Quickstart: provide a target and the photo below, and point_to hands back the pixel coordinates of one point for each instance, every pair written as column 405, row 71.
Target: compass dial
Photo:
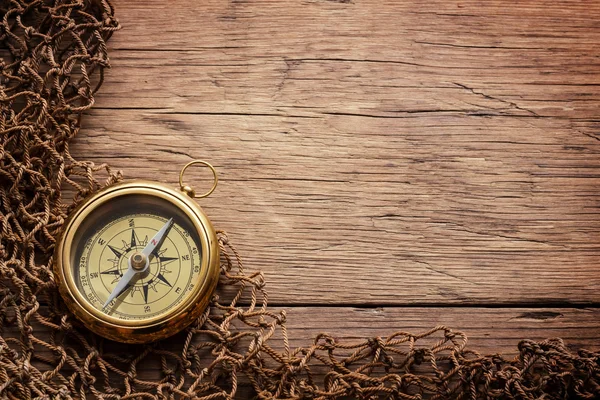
column 173, row 267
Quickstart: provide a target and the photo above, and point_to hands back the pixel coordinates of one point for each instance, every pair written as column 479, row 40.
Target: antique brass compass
column 138, row 261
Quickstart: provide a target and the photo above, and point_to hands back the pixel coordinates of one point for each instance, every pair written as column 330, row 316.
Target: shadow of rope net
column 53, row 58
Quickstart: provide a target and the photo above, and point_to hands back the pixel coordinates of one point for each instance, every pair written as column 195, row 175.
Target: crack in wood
column 175, row 152
column 466, row 46
column 539, row 315
column 510, row 103
column 442, row 272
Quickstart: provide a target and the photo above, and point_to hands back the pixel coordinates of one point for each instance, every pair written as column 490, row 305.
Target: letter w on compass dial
column 157, row 280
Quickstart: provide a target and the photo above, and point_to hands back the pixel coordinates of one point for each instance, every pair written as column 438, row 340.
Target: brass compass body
column 138, row 261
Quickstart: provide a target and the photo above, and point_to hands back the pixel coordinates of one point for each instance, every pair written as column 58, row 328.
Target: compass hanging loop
column 191, row 192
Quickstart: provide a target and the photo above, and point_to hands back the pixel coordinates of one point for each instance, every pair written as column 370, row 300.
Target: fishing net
column 53, row 58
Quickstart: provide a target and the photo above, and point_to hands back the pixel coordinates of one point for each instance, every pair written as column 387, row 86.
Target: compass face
column 113, row 234
column 172, row 271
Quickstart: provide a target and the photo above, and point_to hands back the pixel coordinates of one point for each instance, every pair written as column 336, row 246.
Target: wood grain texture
column 490, row 330
column 376, row 153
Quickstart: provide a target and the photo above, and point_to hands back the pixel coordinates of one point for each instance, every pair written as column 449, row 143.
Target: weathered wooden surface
column 378, row 153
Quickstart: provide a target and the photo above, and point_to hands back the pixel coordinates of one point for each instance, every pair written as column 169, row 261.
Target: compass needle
column 121, row 285
column 156, row 241
column 138, row 262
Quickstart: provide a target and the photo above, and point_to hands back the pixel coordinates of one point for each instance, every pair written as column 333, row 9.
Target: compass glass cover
column 116, row 230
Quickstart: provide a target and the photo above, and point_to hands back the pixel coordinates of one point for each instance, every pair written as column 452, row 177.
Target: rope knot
column 374, row 342
column 419, row 356
column 281, row 318
column 223, row 238
column 65, row 325
column 187, row 364
column 449, row 335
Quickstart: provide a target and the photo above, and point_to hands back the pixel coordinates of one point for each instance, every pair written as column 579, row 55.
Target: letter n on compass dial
column 171, row 271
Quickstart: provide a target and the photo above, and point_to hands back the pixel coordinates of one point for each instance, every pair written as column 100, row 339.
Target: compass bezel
column 153, row 328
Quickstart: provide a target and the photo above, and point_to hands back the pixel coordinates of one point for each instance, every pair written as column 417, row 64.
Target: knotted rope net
column 53, row 58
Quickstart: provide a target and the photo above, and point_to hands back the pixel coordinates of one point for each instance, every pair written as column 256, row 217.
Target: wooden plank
column 490, row 330
column 213, row 82
column 382, row 57
column 450, row 214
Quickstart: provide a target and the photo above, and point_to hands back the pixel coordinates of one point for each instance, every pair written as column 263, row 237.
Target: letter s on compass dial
column 137, row 262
